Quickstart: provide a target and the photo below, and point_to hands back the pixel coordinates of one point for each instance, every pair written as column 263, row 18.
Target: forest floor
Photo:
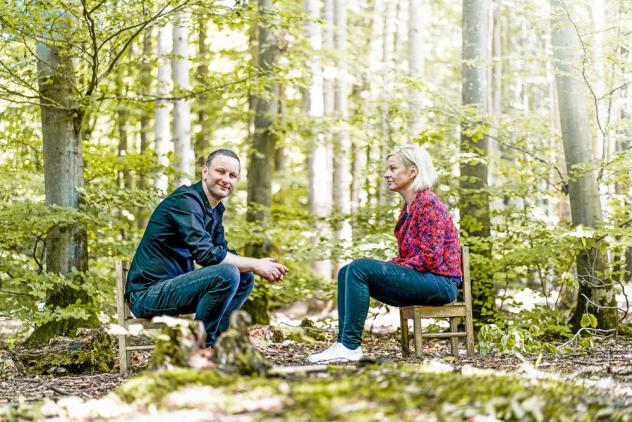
column 605, row 369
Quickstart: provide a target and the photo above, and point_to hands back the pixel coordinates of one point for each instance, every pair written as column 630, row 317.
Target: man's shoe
column 337, row 353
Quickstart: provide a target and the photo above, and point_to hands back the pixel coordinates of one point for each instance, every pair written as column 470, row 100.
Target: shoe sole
column 336, row 360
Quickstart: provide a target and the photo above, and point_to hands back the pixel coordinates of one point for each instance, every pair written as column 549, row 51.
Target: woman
column 427, row 269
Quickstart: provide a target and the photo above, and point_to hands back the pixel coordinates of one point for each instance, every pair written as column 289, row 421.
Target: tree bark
column 184, row 159
column 342, row 144
column 596, row 293
column 66, row 244
column 318, row 165
column 145, row 120
column 387, row 143
column 417, row 21
column 475, row 220
column 162, row 119
column 261, row 158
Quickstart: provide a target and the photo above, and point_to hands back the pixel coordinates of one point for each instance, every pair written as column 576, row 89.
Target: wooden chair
column 125, row 318
column 451, row 311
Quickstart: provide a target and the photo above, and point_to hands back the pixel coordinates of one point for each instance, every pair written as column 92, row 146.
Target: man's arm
column 267, row 268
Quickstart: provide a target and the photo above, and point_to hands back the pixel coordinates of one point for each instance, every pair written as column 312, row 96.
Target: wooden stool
column 125, row 318
column 451, row 311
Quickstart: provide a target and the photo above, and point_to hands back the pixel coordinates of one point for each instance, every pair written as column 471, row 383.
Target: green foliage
column 360, row 394
column 589, row 321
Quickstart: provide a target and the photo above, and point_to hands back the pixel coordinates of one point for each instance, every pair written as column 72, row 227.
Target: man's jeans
column 389, row 283
column 212, row 292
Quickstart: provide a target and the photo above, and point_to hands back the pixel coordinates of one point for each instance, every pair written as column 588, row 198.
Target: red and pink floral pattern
column 427, row 238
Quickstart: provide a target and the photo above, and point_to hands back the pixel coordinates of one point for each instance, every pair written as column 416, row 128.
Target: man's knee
column 228, row 275
column 247, row 280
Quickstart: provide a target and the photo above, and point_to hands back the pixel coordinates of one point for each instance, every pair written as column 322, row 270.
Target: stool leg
column 403, row 323
column 417, row 334
column 454, row 341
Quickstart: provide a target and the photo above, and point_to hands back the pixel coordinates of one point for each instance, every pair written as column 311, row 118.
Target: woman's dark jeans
column 389, row 283
column 212, row 292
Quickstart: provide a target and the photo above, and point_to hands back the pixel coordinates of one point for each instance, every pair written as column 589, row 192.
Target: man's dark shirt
column 182, row 229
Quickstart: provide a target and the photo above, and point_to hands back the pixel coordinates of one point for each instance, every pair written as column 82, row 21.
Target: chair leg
column 454, row 341
column 417, row 334
column 469, row 335
column 124, row 354
column 403, row 323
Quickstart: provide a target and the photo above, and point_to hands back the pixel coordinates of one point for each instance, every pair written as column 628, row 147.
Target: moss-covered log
column 91, row 351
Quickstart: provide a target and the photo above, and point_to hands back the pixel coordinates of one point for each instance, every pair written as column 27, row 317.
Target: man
column 186, row 227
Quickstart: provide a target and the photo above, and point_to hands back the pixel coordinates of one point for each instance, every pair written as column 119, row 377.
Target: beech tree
column 596, row 293
column 474, row 201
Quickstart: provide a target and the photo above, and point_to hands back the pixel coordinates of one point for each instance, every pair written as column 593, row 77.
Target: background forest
column 526, row 107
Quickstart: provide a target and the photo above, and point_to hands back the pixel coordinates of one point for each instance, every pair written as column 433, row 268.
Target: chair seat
column 454, row 309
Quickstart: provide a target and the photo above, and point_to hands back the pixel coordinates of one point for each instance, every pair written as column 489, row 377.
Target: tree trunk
column 417, row 21
column 385, row 111
column 124, row 176
column 184, row 160
column 202, row 143
column 595, row 290
column 145, row 120
column 66, row 244
column 320, row 195
column 162, row 125
column 342, row 144
column 475, row 220
column 261, row 158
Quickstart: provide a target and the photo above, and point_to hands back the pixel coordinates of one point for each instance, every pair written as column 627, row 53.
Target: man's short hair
column 221, row 151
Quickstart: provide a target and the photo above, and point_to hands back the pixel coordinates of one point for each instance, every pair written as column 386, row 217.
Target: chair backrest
column 466, row 280
column 123, row 311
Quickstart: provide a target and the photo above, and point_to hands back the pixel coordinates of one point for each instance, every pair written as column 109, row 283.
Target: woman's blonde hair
column 417, row 156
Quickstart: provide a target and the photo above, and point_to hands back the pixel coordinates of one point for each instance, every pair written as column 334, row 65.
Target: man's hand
column 269, row 269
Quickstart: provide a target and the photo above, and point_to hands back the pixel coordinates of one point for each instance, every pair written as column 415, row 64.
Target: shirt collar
column 200, row 190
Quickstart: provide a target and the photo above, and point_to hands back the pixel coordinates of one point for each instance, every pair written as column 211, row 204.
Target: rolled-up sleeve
column 188, row 214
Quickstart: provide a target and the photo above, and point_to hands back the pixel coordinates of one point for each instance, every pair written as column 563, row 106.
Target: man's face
column 221, row 176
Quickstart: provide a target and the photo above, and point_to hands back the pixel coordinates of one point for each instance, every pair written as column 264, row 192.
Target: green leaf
column 588, row 320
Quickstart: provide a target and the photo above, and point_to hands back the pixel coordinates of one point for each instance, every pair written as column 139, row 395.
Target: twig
column 588, row 329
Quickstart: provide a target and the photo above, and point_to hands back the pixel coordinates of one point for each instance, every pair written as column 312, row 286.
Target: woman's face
column 398, row 177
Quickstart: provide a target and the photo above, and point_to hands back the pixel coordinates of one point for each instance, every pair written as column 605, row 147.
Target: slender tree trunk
column 495, row 87
column 145, row 121
column 182, row 144
column 475, row 220
column 385, row 113
column 124, row 176
column 261, row 157
column 320, row 195
column 342, row 143
column 201, row 145
column 162, row 119
column 66, row 245
column 418, row 12
column 596, row 293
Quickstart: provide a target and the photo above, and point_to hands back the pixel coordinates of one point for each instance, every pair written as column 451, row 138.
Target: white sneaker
column 336, row 353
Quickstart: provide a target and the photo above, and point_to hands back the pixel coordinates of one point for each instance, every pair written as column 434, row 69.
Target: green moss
column 76, row 358
column 398, row 392
column 151, row 387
